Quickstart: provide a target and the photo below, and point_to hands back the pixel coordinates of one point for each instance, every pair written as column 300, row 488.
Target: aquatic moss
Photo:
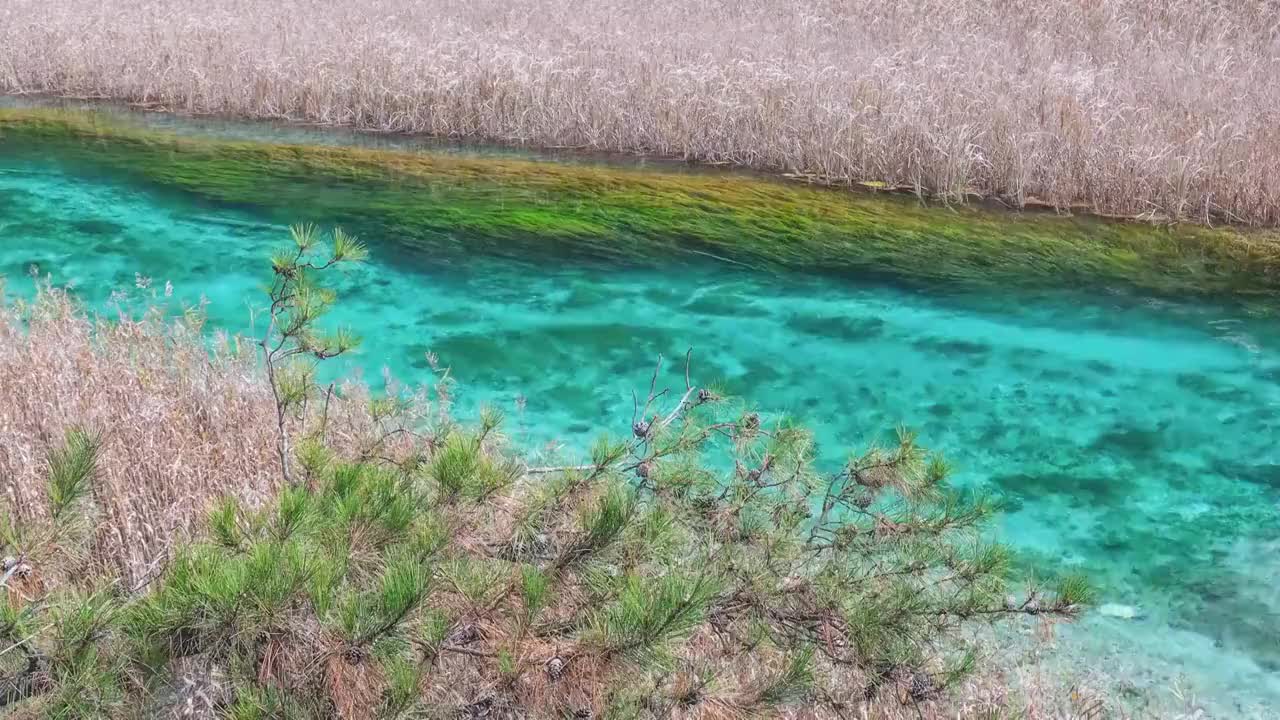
column 492, row 204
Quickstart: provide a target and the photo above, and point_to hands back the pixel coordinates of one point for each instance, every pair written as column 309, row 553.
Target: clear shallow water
column 1134, row 438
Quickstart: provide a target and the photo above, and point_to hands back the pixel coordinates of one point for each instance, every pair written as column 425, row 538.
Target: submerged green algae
column 501, row 204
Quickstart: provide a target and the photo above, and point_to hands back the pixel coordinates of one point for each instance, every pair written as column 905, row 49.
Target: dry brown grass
column 1160, row 107
column 169, row 414
column 180, row 426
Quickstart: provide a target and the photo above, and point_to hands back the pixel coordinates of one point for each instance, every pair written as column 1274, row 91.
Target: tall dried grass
column 1159, row 107
column 183, row 422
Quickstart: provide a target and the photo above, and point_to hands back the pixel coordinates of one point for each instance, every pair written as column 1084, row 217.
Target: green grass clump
column 429, row 200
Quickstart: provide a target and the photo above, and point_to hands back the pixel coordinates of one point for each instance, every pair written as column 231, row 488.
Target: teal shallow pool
column 1134, row 438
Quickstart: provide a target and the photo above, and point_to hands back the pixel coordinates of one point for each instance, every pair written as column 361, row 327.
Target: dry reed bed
column 183, row 422
column 1134, row 107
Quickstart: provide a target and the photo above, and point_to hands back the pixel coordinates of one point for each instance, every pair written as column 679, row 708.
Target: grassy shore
column 505, row 204
column 158, row 562
column 1131, row 107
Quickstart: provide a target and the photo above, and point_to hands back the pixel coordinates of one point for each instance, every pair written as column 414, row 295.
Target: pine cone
column 922, row 686
column 641, row 429
column 464, row 635
column 353, row 655
column 477, row 710
column 557, row 667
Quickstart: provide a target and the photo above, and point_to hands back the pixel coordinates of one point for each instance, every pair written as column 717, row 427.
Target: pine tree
column 699, row 565
column 292, row 343
column 53, row 638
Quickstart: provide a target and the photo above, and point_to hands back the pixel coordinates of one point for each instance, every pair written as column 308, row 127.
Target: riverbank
column 1125, row 107
column 642, row 215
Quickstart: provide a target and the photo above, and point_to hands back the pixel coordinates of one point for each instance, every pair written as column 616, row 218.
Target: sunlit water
column 1134, row 438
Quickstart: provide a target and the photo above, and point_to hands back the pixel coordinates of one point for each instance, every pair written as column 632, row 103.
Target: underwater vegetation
column 500, row 204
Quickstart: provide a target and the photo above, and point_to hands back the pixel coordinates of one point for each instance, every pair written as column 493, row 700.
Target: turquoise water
column 1133, row 437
